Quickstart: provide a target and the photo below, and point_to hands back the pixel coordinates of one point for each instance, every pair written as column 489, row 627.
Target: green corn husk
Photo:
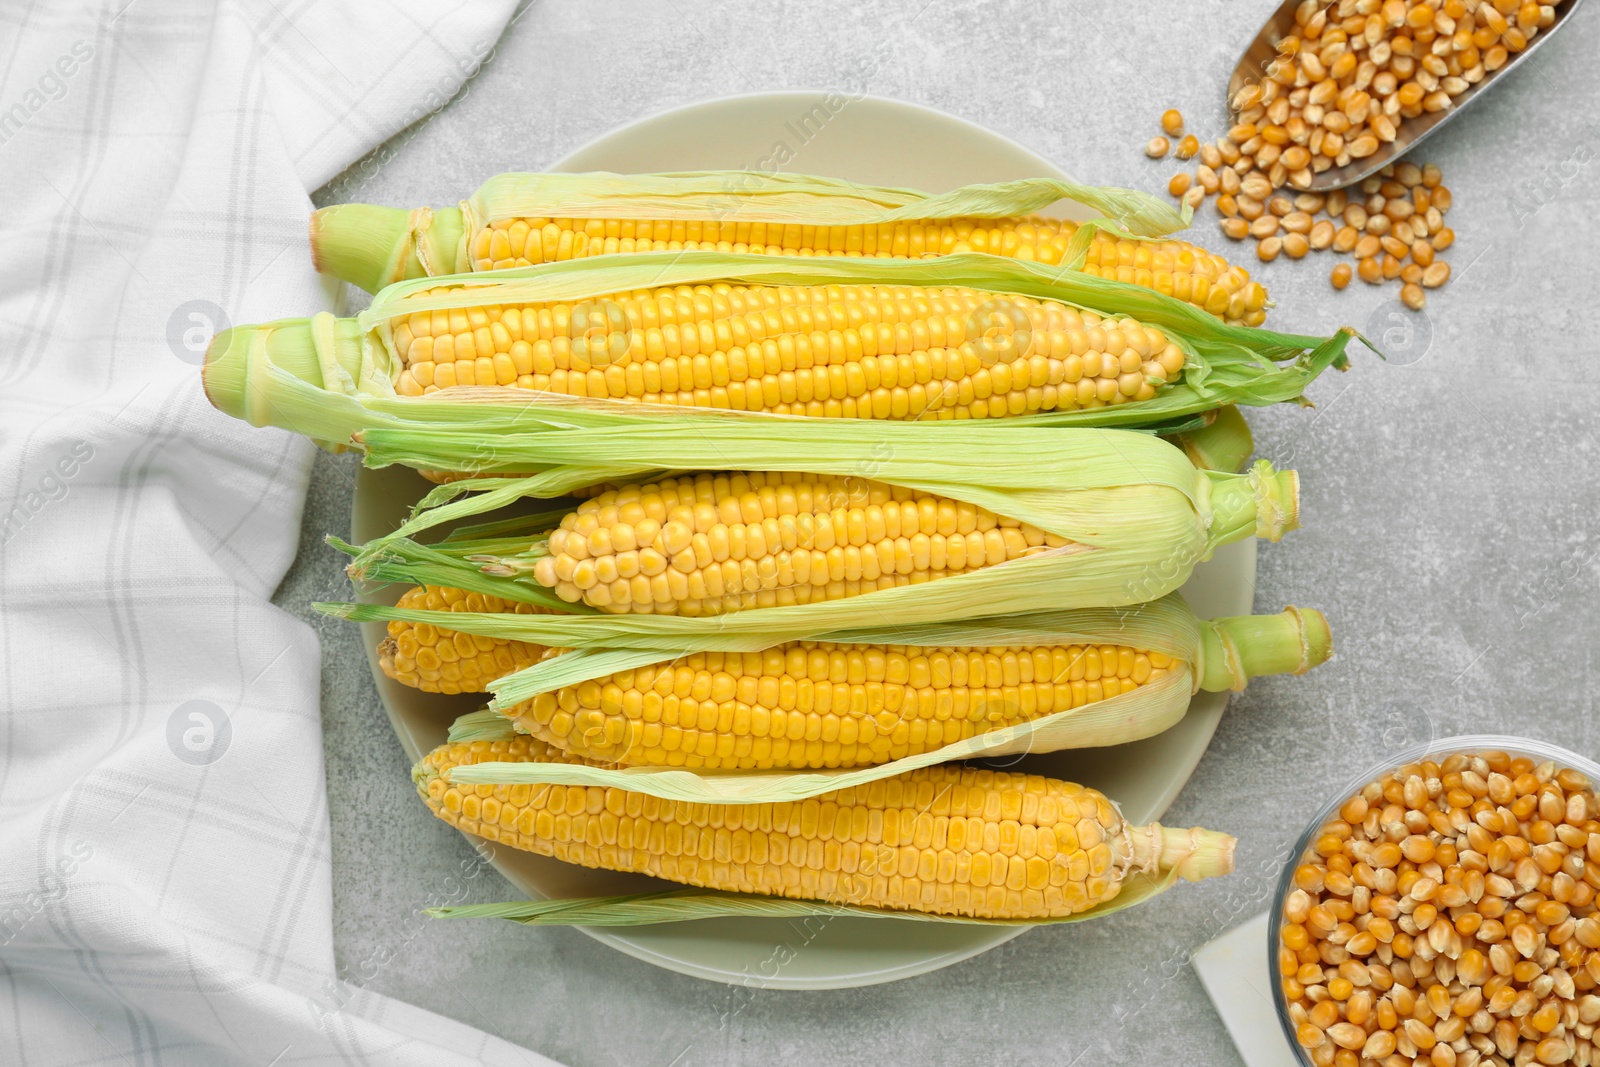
column 1062, row 481
column 372, row 246
column 333, row 379
column 1214, row 655
column 1138, row 513
column 686, row 905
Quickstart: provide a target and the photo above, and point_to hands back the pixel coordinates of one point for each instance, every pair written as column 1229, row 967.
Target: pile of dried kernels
column 1352, row 71
column 1446, row 917
column 1388, row 219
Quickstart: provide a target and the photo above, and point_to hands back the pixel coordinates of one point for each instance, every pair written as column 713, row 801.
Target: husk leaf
column 372, row 246
column 745, row 196
column 684, row 905
column 1147, row 710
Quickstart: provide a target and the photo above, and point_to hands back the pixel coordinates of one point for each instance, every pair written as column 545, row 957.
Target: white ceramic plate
column 882, row 142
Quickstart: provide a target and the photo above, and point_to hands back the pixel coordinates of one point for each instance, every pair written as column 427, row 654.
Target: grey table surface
column 1449, row 503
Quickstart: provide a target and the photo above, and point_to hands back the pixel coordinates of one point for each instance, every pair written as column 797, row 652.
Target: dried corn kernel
column 1463, row 950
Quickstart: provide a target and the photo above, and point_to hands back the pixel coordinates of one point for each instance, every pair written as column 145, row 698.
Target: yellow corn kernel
column 857, row 351
column 712, row 543
column 1032, row 237
column 446, row 661
column 809, row 704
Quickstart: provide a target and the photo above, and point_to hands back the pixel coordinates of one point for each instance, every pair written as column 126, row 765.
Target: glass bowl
column 1436, row 750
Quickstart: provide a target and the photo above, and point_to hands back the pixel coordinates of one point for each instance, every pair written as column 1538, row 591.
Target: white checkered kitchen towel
column 155, row 906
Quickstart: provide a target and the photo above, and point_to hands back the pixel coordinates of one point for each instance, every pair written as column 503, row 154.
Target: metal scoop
column 1263, row 51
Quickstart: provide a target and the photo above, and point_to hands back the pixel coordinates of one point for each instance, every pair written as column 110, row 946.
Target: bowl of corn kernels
column 1442, row 911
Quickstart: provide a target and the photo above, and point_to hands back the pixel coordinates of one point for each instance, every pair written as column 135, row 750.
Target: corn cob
column 1175, row 268
column 871, row 352
column 807, row 704
column 707, row 544
column 436, row 660
column 519, row 220
column 1080, row 519
column 578, row 345
column 946, row 840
